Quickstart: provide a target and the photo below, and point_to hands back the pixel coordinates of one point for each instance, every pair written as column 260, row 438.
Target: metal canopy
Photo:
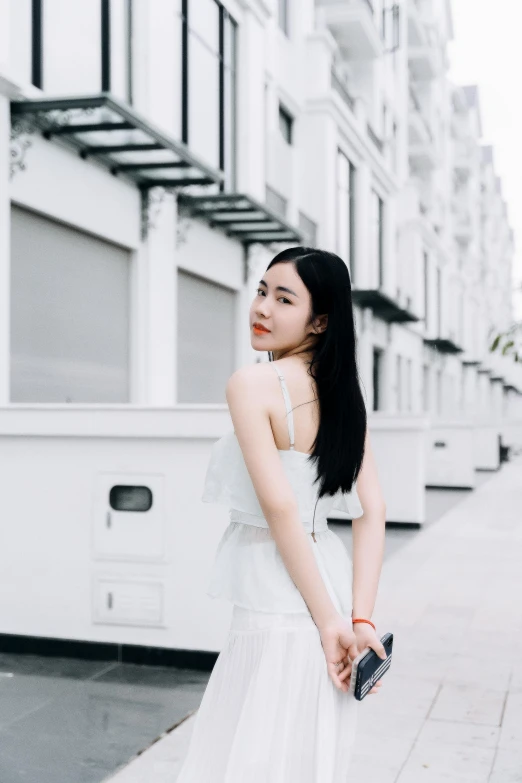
column 382, row 305
column 443, row 345
column 241, row 217
column 103, row 128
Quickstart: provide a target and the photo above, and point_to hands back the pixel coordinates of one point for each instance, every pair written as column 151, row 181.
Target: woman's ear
column 320, row 323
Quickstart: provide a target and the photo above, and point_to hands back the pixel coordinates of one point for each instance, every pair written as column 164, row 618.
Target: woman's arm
column 368, row 534
column 247, row 391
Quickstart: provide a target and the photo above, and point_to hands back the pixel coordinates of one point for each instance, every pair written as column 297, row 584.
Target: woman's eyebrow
column 281, row 288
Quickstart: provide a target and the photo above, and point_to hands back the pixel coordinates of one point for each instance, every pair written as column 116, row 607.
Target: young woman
column 277, row 707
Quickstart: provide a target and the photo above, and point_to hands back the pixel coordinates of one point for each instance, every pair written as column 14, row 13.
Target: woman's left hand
column 367, row 637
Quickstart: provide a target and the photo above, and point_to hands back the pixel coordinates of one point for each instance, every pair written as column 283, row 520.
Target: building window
column 276, row 202
column 376, row 238
column 78, row 47
column 208, row 78
column 286, row 124
column 377, row 372
column 70, row 315
column 308, row 229
column 346, row 211
column 117, row 48
column 204, row 308
column 283, row 15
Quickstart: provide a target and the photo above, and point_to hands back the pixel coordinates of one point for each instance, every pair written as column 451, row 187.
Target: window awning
column 241, row 217
column 111, row 132
column 382, row 305
column 443, row 345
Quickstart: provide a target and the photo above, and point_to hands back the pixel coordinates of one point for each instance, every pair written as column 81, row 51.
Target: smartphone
column 367, row 668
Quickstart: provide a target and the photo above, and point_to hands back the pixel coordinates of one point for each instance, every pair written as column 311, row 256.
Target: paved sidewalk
column 450, row 708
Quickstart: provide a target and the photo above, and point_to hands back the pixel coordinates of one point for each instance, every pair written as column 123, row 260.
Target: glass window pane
column 203, row 20
column 164, row 61
column 120, row 18
column 206, row 316
column 70, row 314
column 71, row 47
column 203, row 101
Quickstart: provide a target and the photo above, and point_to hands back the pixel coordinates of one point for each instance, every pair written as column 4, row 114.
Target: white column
column 5, row 251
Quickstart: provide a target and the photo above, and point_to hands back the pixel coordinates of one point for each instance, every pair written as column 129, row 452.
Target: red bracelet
column 362, row 620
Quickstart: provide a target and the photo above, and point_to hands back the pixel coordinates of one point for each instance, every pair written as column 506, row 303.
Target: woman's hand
column 366, row 637
column 339, row 644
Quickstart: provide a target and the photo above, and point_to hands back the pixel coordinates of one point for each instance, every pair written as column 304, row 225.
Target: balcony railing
column 342, row 90
column 375, row 139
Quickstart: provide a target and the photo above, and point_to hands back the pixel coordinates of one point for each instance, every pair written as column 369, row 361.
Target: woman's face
column 282, row 305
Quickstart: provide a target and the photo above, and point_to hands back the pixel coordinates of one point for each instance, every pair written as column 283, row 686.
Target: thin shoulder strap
column 288, row 404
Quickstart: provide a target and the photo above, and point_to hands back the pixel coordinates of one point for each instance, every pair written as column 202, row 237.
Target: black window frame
column 224, row 15
column 286, row 124
column 37, row 52
column 376, row 377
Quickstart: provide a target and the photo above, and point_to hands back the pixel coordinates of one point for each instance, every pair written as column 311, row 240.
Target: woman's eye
column 281, row 297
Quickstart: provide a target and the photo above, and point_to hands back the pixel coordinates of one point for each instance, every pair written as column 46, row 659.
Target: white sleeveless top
column 248, row 569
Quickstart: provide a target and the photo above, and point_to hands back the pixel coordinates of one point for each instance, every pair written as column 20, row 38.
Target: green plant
column 509, row 343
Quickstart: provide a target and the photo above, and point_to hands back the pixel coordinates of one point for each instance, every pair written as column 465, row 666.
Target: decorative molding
column 22, row 127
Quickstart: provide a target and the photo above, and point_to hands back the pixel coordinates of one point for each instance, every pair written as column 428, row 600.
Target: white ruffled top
column 248, row 569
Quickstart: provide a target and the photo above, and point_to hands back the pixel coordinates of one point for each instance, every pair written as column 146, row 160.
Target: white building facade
column 155, row 156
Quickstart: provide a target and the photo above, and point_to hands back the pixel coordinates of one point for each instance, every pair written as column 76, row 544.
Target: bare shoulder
column 254, row 380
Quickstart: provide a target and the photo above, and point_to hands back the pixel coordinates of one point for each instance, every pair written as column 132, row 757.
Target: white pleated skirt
column 270, row 712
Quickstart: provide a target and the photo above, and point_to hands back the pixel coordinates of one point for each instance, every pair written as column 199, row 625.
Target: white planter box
column 449, row 455
column 398, row 443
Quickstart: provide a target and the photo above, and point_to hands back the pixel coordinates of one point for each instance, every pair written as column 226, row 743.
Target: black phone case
column 371, row 668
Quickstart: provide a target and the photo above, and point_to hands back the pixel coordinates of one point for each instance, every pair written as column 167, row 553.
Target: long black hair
column 339, row 445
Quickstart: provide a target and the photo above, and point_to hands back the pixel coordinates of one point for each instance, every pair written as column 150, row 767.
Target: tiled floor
column 74, row 721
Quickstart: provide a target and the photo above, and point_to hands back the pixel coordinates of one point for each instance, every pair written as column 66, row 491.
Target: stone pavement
column 450, row 707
